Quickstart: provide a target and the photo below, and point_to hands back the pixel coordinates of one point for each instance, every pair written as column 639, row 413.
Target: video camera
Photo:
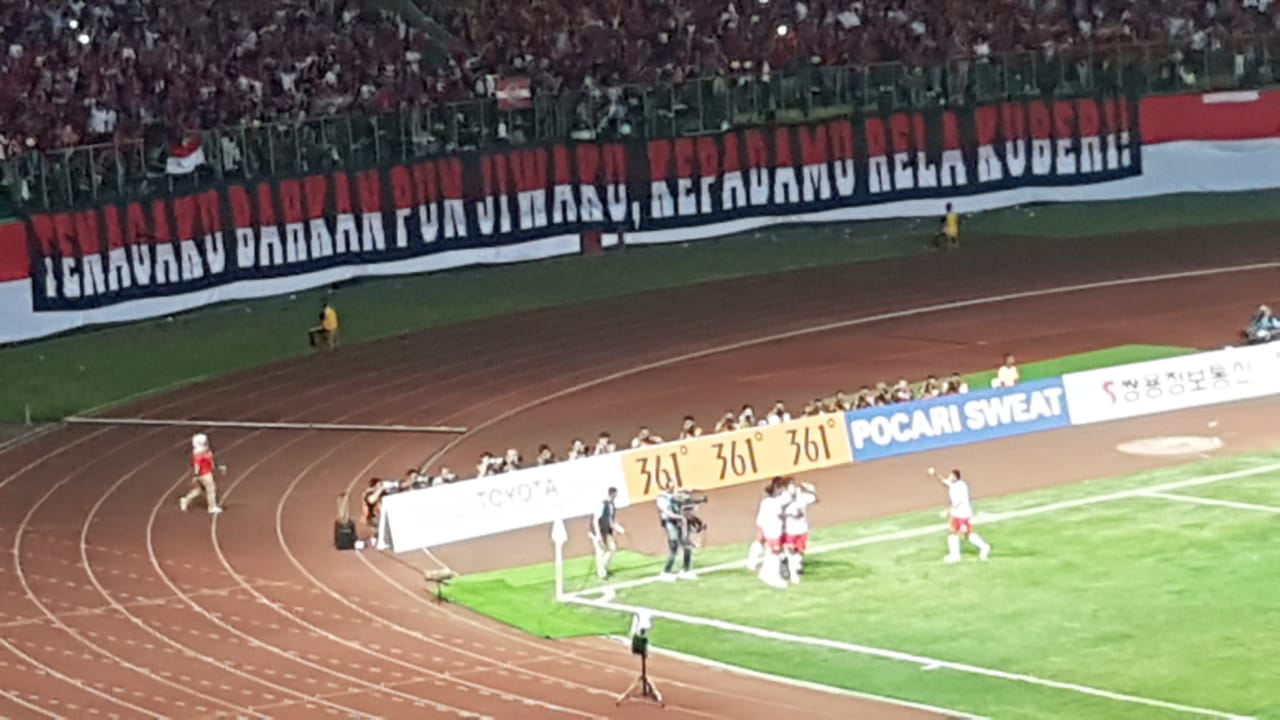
column 684, row 501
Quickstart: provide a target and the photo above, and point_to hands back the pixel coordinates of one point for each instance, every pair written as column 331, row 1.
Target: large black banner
column 176, row 244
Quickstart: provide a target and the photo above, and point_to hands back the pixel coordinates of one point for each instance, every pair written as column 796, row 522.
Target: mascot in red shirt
column 202, row 484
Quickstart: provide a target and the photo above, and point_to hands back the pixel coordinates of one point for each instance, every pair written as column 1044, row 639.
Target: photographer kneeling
column 673, row 513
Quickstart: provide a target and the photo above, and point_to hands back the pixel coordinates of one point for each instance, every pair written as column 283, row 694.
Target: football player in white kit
column 795, row 526
column 961, row 514
column 766, row 552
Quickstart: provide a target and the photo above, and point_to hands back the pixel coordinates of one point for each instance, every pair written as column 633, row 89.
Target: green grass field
column 1145, row 606
column 70, row 374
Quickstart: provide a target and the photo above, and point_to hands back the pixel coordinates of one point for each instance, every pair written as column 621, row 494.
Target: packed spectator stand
column 281, row 86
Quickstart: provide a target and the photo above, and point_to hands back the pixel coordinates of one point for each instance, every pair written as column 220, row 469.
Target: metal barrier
column 92, row 174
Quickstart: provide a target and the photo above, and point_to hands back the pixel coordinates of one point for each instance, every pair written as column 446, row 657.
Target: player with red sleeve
column 961, row 514
column 202, row 469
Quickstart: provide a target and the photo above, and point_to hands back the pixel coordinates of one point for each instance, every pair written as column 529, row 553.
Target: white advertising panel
column 1158, row 386
column 444, row 514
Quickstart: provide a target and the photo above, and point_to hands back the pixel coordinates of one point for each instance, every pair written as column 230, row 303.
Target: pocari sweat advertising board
column 977, row 416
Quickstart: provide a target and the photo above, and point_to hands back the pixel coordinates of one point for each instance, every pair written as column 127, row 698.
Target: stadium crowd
column 81, row 71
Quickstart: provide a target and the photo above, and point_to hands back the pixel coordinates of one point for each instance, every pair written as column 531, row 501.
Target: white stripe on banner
column 1238, row 96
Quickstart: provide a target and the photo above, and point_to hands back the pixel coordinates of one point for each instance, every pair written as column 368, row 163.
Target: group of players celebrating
column 777, row 555
column 782, row 527
column 782, row 531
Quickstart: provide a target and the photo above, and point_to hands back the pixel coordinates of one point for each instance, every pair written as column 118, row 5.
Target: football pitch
column 1149, row 596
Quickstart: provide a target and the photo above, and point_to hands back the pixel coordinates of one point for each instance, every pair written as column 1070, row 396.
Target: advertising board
column 990, row 414
column 1178, row 383
column 444, row 514
column 724, row 459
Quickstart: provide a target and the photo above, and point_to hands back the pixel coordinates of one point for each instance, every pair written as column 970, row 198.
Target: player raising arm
column 961, row 514
column 795, row 526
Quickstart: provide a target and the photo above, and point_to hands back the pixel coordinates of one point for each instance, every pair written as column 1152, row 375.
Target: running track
column 114, row 604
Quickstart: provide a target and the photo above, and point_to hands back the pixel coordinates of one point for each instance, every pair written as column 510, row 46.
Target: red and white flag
column 185, row 157
column 515, row 93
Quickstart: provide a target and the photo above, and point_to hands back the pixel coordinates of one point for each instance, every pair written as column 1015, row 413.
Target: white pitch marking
column 981, row 519
column 1215, row 502
column 914, row 659
column 694, row 659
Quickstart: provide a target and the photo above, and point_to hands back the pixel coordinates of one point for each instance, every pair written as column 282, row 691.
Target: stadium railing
column 104, row 172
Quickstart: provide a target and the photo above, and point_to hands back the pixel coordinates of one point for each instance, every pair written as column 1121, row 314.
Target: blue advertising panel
column 977, row 416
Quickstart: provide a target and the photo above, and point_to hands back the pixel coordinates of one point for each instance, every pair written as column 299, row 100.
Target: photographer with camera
column 675, row 514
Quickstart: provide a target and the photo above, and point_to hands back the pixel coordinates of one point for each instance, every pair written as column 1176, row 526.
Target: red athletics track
column 115, row 604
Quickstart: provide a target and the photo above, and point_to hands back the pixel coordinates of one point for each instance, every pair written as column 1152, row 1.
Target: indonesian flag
column 513, row 93
column 185, row 157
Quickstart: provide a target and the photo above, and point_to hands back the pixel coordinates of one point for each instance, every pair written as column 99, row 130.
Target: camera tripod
column 642, row 688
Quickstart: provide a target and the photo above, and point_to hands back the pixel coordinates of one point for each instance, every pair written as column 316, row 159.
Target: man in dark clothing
column 604, row 524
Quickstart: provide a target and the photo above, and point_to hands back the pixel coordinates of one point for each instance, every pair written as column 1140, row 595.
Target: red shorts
column 796, row 543
column 774, row 544
column 961, row 526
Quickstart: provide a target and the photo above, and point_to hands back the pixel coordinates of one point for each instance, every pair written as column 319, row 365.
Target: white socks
column 983, row 548
column 953, row 546
column 754, row 555
column 771, row 568
column 795, row 563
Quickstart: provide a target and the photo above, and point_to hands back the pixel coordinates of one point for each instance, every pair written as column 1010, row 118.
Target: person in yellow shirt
column 326, row 333
column 949, row 238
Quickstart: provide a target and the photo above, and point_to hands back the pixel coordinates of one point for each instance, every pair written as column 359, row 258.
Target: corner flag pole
column 559, row 536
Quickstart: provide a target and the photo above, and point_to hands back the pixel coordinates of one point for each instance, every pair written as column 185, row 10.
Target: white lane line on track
column 180, row 596
column 20, row 573
column 256, row 642
column 40, row 666
column 45, row 668
column 383, row 658
column 13, row 697
column 186, row 651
